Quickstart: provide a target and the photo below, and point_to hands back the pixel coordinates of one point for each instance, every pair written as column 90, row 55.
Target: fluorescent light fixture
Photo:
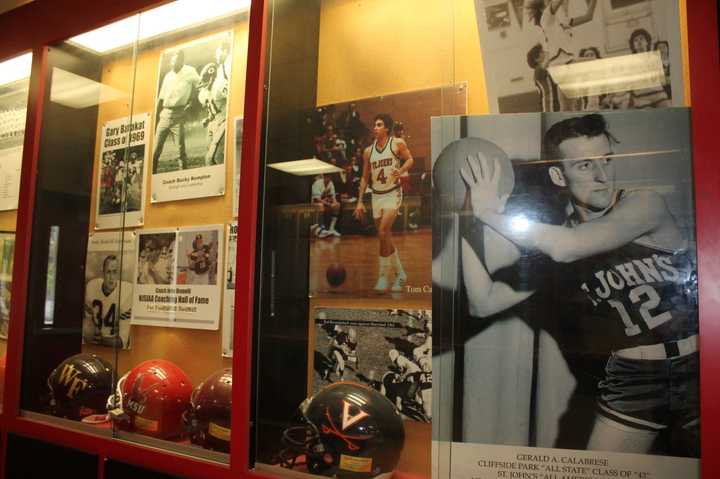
column 78, row 92
column 15, row 69
column 311, row 166
column 156, row 22
column 609, row 75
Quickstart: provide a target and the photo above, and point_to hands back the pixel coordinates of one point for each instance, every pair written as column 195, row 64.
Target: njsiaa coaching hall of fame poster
column 565, row 295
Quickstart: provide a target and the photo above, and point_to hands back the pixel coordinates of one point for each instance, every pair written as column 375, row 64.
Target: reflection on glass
column 51, row 276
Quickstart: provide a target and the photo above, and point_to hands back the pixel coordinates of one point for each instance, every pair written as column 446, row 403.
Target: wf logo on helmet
column 69, row 377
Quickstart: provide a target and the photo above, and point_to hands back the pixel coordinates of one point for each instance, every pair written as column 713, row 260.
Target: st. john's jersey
column 635, row 295
column 107, row 310
column 382, row 164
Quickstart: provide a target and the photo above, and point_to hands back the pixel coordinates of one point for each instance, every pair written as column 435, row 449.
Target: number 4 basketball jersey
column 382, row 163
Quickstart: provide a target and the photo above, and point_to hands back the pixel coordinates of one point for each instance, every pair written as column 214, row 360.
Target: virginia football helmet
column 348, row 431
column 79, row 386
column 208, row 419
column 153, row 397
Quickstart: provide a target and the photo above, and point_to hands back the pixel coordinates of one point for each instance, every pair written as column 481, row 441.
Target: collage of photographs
column 470, row 255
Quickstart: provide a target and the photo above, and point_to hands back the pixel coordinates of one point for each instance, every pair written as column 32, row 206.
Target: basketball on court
column 335, row 274
column 446, row 171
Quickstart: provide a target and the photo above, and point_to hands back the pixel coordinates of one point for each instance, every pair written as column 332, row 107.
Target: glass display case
column 133, row 247
column 518, row 171
column 472, row 238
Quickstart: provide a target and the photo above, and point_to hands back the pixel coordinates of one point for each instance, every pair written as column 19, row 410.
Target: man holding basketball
column 384, row 162
column 630, row 286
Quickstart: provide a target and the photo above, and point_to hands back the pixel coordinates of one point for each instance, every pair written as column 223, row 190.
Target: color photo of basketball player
column 384, row 162
column 382, row 243
column 390, row 350
column 607, row 279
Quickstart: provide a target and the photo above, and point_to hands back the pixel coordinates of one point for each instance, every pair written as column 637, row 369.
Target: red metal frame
column 705, row 85
column 82, row 15
column 247, row 217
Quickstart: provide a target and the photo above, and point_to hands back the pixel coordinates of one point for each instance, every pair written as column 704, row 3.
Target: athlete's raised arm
column 639, row 213
column 485, row 296
column 586, row 17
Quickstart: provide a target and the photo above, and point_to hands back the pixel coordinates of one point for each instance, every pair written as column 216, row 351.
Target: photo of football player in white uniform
column 108, row 291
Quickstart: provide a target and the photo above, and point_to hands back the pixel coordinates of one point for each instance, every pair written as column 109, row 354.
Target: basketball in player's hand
column 446, row 171
column 335, row 275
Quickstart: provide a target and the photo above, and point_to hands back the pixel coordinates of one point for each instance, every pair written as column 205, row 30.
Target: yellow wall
column 377, row 47
column 197, row 352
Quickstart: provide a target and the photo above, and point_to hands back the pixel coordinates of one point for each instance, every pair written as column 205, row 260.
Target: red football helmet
column 209, row 415
column 154, row 396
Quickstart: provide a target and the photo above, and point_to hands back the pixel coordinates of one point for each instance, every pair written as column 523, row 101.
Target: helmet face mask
column 348, row 430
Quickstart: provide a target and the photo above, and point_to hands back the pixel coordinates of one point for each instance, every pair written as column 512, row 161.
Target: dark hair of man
column 107, row 259
column 386, row 119
column 580, row 126
column 533, row 55
column 637, row 33
column 589, row 49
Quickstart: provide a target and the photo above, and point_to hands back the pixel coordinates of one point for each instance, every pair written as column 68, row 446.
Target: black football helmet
column 208, row 418
column 349, row 431
column 80, row 386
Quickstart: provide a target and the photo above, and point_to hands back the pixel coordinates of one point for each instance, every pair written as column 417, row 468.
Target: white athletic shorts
column 386, row 201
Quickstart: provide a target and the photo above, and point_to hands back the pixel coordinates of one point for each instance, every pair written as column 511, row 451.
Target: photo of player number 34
column 574, row 247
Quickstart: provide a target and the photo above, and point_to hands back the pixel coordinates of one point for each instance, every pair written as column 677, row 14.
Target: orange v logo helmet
column 350, row 431
column 79, row 386
column 155, row 394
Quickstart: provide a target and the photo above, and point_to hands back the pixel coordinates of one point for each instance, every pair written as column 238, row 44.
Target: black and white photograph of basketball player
column 198, row 257
column 191, row 105
column 121, row 177
column 108, row 292
column 156, row 258
column 534, row 46
column 389, row 350
column 589, row 260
